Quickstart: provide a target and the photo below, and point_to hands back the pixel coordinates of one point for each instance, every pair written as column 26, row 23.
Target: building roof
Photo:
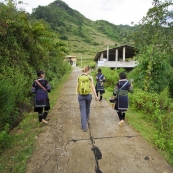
column 69, row 56
column 73, row 58
column 130, row 51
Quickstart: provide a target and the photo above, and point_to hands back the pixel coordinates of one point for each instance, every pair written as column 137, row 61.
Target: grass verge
column 146, row 130
column 24, row 136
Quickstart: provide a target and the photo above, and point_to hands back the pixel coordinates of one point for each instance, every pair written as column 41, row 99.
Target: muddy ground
column 105, row 148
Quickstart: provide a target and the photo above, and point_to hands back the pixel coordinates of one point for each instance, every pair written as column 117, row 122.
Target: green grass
column 135, row 119
column 139, row 122
column 24, row 136
column 146, row 130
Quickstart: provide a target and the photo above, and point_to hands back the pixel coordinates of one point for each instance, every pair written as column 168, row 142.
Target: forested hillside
column 82, row 36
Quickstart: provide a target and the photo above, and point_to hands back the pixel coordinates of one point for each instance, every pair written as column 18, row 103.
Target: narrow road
column 105, row 148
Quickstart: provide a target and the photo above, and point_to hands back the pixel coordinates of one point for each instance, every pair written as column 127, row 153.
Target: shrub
column 157, row 109
column 7, row 102
column 5, row 139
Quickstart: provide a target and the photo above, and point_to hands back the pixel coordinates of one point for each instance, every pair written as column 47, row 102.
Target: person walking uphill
column 40, row 88
column 85, row 86
column 100, row 78
column 121, row 91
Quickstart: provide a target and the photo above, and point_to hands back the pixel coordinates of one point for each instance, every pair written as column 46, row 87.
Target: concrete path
column 105, row 148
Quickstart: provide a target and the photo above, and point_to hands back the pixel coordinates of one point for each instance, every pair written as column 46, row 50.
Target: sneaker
column 100, row 100
column 84, row 130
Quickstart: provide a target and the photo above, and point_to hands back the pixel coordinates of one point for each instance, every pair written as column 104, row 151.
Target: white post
column 101, row 57
column 124, row 53
column 107, row 53
column 116, row 55
column 81, row 61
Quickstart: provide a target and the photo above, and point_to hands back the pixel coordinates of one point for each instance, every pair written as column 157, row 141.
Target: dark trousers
column 41, row 114
column 97, row 92
column 84, row 103
column 121, row 115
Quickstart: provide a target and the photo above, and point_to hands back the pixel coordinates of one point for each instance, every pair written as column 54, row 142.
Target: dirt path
column 105, row 148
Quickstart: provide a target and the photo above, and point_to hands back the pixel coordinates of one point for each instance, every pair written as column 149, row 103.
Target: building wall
column 117, row 64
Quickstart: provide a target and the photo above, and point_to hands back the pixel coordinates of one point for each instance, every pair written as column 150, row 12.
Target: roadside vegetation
column 43, row 39
column 151, row 103
column 149, row 114
column 25, row 47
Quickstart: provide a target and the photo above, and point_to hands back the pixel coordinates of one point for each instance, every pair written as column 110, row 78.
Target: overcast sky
column 115, row 11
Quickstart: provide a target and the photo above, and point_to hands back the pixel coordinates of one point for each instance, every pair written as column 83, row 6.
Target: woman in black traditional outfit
column 121, row 91
column 100, row 78
column 40, row 88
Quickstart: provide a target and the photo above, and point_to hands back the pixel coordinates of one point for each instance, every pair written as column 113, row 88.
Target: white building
column 119, row 57
column 71, row 59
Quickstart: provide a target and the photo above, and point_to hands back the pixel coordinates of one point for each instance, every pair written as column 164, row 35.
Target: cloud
column 114, row 11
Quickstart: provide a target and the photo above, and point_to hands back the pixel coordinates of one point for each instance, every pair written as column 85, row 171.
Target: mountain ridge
column 83, row 36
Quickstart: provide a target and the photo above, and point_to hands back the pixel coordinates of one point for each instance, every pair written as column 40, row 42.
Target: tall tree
column 153, row 38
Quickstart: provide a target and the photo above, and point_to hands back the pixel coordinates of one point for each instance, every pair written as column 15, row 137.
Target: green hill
column 83, row 37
